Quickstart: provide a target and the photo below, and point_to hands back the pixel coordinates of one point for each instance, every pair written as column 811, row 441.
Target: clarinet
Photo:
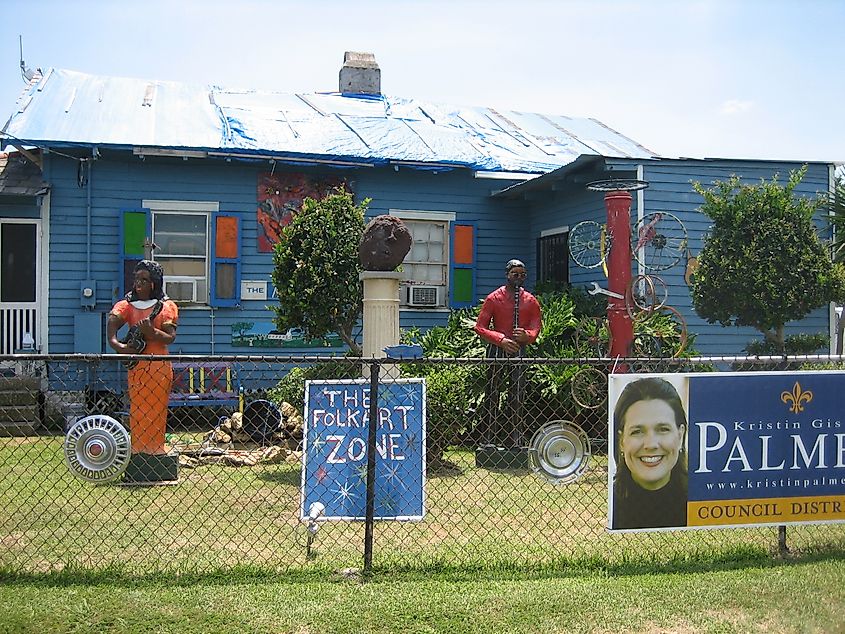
column 516, row 312
column 516, row 380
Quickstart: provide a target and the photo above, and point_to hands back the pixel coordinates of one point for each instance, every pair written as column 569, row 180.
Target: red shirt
column 498, row 309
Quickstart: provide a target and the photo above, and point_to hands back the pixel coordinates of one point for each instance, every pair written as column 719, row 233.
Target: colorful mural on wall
column 280, row 196
column 248, row 334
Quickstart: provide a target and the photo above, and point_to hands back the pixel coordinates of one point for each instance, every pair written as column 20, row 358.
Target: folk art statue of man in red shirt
column 510, row 319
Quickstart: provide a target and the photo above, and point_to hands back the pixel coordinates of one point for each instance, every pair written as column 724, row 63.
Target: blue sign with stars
column 334, row 465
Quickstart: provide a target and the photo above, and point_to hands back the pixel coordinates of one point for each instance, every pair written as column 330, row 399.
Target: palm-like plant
column 836, row 209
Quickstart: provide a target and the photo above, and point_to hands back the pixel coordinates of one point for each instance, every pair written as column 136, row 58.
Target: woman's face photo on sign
column 651, row 442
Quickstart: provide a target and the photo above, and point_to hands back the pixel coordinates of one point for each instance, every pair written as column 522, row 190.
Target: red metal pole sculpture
column 618, row 204
column 617, row 200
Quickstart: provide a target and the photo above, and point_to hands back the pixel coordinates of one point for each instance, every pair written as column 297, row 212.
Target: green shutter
column 135, row 226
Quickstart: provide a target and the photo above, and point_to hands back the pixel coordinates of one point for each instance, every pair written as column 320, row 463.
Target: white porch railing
column 15, row 322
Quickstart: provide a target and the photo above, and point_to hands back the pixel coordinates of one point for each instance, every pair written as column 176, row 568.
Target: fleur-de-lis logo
column 797, row 397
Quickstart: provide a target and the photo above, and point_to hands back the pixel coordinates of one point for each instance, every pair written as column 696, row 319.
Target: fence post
column 783, row 549
column 371, row 466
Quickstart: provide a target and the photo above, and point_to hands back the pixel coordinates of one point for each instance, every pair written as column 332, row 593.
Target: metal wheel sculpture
column 617, row 185
column 665, row 340
column 97, row 448
column 659, row 241
column 645, row 293
column 593, row 338
column 559, row 452
column 589, row 387
column 589, row 244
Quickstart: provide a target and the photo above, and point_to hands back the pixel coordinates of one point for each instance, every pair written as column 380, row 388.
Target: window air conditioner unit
column 423, row 296
column 181, row 289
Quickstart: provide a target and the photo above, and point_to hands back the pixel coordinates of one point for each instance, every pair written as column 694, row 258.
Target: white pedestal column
column 381, row 317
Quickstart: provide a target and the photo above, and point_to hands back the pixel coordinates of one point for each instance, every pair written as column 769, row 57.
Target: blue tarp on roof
column 68, row 108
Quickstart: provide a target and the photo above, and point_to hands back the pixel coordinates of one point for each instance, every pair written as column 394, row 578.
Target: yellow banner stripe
column 766, row 510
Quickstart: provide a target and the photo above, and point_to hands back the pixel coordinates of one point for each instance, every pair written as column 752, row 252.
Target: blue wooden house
column 202, row 178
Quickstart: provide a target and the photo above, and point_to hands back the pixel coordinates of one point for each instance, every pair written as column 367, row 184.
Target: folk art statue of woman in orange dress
column 149, row 381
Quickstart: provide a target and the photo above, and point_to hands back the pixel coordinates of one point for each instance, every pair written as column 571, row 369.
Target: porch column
column 381, row 317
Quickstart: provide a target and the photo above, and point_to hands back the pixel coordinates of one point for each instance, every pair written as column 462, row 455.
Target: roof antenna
column 26, row 73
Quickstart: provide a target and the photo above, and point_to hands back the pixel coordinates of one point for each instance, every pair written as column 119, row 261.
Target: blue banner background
column 751, row 407
column 334, row 452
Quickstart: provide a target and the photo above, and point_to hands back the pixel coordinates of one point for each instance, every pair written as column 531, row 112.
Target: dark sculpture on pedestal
column 385, row 243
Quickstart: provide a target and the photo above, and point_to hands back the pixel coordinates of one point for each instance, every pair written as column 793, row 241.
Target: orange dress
column 149, row 382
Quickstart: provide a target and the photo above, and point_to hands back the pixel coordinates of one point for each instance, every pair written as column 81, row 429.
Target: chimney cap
column 357, row 59
column 359, row 74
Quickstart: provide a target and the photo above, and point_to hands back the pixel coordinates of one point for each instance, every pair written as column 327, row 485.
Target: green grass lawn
column 224, row 551
column 219, row 518
column 747, row 594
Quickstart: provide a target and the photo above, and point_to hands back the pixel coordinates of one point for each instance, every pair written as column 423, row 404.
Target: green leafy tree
column 316, row 268
column 241, row 327
column 763, row 263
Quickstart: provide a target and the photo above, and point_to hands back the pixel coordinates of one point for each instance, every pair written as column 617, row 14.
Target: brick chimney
column 360, row 74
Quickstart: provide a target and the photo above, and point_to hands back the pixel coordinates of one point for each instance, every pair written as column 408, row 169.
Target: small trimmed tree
column 763, row 263
column 316, row 268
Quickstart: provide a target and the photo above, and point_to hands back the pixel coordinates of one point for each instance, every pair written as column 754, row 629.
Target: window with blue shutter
column 198, row 248
column 225, row 260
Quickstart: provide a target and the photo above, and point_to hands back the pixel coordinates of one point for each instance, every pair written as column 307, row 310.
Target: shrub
column 453, row 396
column 456, row 339
column 454, row 393
column 291, row 388
column 316, row 268
column 804, row 343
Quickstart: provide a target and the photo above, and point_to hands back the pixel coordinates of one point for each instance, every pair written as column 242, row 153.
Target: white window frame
column 188, row 207
column 447, row 219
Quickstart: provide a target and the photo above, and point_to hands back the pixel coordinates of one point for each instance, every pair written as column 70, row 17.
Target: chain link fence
column 219, row 487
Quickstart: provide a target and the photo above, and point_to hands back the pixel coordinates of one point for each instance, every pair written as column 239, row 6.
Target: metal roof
column 67, row 108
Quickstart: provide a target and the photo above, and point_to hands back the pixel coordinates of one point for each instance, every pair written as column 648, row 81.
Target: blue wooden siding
column 122, row 182
column 503, row 232
column 670, row 190
column 566, row 208
column 506, row 228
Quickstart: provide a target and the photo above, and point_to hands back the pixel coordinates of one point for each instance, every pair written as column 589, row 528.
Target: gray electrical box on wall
column 88, row 333
column 88, row 293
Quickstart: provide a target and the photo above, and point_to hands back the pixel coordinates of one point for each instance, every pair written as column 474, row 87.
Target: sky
column 685, row 78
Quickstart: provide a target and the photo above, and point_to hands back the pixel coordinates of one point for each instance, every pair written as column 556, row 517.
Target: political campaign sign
column 725, row 449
